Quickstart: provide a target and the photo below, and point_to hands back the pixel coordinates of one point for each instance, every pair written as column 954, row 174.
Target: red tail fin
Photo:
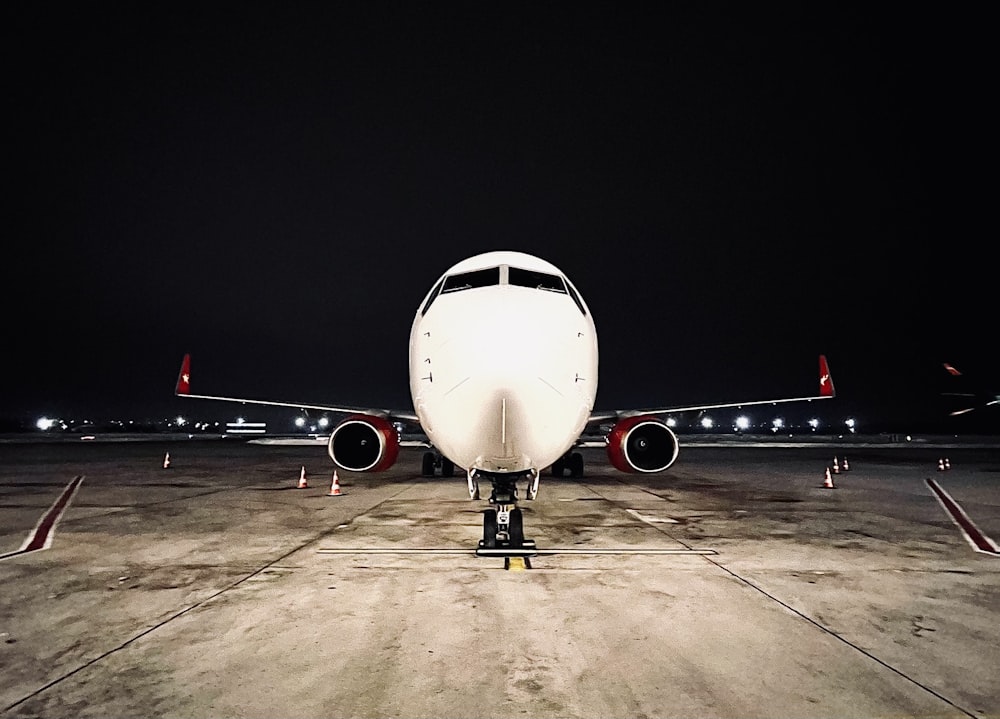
column 184, row 378
column 825, row 378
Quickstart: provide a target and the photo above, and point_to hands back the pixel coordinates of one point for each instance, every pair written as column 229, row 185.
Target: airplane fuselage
column 503, row 363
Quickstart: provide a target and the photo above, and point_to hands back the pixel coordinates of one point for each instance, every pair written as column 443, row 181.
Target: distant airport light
column 814, row 423
column 850, row 424
column 300, row 422
column 742, row 422
column 777, row 423
column 707, row 423
column 671, row 422
column 323, row 421
column 180, row 421
column 44, row 423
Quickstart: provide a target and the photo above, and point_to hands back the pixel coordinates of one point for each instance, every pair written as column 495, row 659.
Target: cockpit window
column 538, row 280
column 470, row 280
column 576, row 297
column 430, row 297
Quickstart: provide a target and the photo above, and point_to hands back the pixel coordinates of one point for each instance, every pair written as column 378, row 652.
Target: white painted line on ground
column 549, row 551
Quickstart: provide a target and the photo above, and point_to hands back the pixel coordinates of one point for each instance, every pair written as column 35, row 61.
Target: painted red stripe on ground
column 979, row 541
column 41, row 536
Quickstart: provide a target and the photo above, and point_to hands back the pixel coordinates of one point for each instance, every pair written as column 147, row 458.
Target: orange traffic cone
column 334, row 486
column 828, row 480
column 847, row 467
column 166, row 460
column 941, row 465
column 303, row 484
column 836, row 467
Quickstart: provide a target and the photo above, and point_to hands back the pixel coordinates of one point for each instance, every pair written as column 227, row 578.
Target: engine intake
column 642, row 444
column 364, row 444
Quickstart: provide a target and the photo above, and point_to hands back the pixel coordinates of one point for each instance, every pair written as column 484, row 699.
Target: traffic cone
column 166, row 461
column 941, row 465
column 828, row 480
column 836, row 467
column 334, row 486
column 847, row 467
column 303, row 484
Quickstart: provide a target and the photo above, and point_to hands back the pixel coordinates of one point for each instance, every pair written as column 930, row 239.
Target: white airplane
column 503, row 377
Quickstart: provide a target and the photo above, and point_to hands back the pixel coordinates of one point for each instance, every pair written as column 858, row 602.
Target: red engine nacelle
column 642, row 444
column 364, row 444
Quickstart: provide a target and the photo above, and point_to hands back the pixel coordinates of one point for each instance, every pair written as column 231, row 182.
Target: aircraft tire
column 490, row 529
column 516, row 529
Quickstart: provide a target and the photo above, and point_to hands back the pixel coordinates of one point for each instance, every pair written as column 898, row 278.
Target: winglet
column 184, row 378
column 825, row 378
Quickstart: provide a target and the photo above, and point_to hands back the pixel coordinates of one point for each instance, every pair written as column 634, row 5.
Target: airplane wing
column 826, row 391
column 975, row 397
column 183, row 389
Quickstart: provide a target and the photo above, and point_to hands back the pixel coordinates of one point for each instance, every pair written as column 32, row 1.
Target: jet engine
column 641, row 444
column 364, row 444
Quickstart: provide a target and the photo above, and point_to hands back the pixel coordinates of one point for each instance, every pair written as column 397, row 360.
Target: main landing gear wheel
column 432, row 461
column 573, row 463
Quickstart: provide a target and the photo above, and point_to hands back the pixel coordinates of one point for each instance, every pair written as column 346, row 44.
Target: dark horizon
column 274, row 191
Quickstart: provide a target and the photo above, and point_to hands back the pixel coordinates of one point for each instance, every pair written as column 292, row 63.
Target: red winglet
column 184, row 378
column 825, row 378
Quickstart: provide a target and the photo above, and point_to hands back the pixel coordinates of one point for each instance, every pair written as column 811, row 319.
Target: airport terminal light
column 44, row 423
column 323, row 422
column 814, row 423
column 742, row 422
column 850, row 424
column 180, row 421
column 707, row 423
column 300, row 422
column 777, row 423
column 671, row 422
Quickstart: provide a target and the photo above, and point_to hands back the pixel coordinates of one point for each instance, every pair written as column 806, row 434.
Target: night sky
column 274, row 190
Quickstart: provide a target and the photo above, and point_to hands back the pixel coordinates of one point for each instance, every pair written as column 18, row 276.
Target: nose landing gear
column 503, row 524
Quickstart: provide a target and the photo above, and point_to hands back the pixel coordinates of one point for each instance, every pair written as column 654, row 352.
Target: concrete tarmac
column 216, row 588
